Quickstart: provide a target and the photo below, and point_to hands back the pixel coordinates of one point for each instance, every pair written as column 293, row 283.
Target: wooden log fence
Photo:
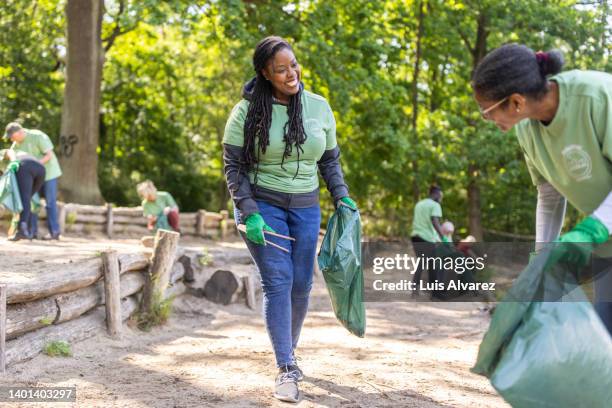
column 116, row 221
column 158, row 276
column 2, row 329
column 95, row 296
column 112, row 293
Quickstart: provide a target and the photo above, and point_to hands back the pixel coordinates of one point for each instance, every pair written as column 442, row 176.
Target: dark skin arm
column 436, row 223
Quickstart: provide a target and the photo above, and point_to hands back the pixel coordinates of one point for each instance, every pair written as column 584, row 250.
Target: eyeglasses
column 485, row 112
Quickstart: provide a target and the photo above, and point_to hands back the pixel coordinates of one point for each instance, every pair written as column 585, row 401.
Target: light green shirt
column 574, row 152
column 421, row 223
column 155, row 208
column 320, row 128
column 37, row 144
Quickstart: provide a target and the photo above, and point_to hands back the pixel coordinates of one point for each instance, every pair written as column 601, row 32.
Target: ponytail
column 515, row 68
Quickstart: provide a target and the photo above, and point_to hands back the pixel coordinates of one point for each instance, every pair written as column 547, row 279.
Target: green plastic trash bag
column 9, row 193
column 340, row 262
column 548, row 353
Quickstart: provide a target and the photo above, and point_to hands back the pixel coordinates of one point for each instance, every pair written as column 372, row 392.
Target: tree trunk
column 604, row 24
column 474, row 212
column 81, row 111
column 415, row 97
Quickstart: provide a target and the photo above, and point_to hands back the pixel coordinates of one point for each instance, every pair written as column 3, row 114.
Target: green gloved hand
column 255, row 226
column 349, row 202
column 445, row 239
column 13, row 166
column 577, row 245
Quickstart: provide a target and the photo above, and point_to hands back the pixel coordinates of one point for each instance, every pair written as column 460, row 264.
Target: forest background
column 396, row 74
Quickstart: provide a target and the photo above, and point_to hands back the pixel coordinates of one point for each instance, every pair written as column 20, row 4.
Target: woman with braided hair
column 275, row 139
column 564, row 127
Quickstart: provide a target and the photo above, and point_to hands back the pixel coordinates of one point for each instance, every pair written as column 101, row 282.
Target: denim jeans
column 49, row 191
column 286, row 278
column 30, row 178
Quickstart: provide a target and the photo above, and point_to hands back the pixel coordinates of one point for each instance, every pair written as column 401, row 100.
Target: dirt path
column 414, row 355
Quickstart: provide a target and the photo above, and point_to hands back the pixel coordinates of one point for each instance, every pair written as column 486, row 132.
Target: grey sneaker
column 286, row 387
column 294, row 366
column 297, row 371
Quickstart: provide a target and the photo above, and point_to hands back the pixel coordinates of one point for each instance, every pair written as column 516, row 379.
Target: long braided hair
column 259, row 114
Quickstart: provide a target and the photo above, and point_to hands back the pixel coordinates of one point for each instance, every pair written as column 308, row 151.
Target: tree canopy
column 396, row 73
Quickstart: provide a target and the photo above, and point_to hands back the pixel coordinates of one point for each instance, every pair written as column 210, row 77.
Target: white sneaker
column 286, row 386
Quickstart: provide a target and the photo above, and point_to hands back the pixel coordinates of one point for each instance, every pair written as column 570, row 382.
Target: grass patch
column 57, row 348
column 46, row 321
column 205, row 258
column 71, row 218
column 159, row 314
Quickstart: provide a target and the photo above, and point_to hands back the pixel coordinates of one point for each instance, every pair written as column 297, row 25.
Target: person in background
column 158, row 207
column 426, row 230
column 465, row 246
column 448, row 228
column 30, row 174
column 38, row 145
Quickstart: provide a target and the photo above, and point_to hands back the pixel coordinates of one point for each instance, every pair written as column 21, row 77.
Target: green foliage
column 159, row 314
column 71, row 218
column 58, row 348
column 46, row 321
column 174, row 70
column 31, row 57
column 205, row 258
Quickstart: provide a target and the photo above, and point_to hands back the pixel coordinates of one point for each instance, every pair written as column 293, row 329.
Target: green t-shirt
column 421, row 223
column 162, row 201
column 574, row 151
column 320, row 128
column 37, row 144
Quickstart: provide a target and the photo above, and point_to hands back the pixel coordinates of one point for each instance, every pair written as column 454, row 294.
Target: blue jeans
column 49, row 191
column 286, row 278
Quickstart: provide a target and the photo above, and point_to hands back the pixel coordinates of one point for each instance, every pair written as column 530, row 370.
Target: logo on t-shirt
column 313, row 127
column 577, row 162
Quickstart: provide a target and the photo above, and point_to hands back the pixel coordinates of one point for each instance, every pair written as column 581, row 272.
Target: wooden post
column 3, row 329
column 201, row 223
column 112, row 293
column 224, row 222
column 109, row 220
column 249, row 289
column 164, row 252
column 61, row 217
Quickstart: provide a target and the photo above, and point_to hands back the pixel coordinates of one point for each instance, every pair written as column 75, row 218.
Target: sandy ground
column 413, row 355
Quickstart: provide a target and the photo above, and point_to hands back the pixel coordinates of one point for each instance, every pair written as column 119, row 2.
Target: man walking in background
column 427, row 231
column 38, row 144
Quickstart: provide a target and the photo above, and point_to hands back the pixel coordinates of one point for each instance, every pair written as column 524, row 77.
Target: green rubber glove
column 13, row 166
column 577, row 245
column 349, row 202
column 445, row 239
column 255, row 226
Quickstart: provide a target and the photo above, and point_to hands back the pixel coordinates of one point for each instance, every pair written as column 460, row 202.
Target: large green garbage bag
column 340, row 262
column 9, row 193
column 549, row 353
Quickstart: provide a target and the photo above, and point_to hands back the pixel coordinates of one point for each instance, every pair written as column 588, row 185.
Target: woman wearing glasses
column 564, row 127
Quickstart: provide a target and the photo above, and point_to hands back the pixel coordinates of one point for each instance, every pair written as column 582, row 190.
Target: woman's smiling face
column 283, row 72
